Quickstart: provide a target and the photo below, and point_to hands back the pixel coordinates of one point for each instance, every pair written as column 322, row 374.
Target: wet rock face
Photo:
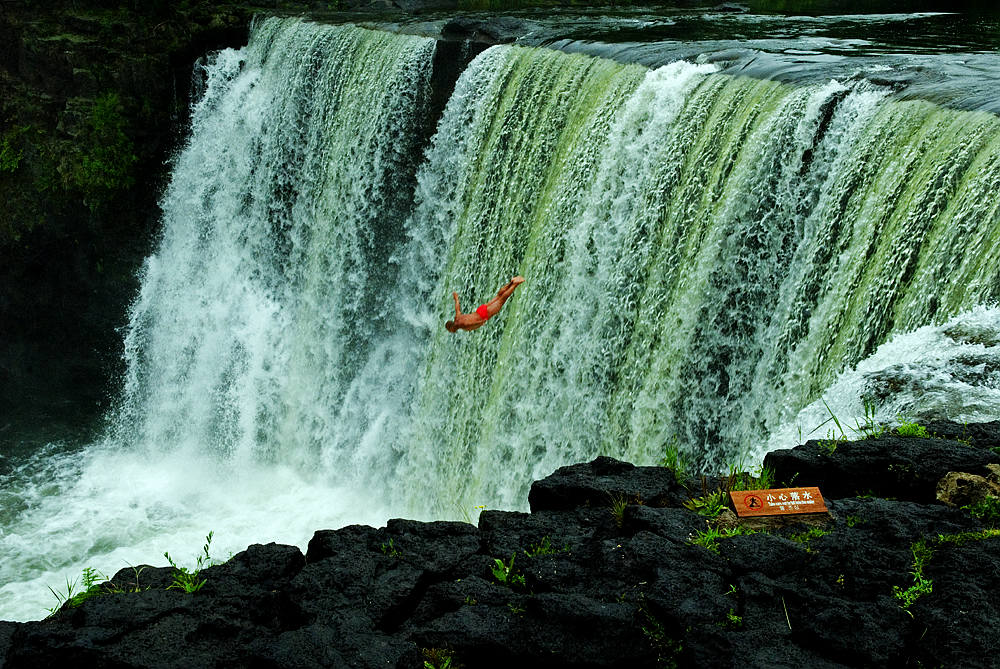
column 581, row 582
column 92, row 102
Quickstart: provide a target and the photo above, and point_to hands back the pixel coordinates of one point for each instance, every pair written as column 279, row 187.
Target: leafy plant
column 806, row 537
column 188, row 579
column 709, row 505
column 866, row 428
column 732, row 620
column 912, row 430
column 505, row 573
column 739, row 479
column 438, row 658
column 389, row 548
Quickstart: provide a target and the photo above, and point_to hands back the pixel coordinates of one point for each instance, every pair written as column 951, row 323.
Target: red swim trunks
column 482, row 311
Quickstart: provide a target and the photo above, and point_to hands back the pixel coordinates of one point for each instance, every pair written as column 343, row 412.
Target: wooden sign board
column 777, row 501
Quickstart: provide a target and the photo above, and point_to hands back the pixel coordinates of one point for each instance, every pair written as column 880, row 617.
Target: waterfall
column 708, row 259
column 704, row 255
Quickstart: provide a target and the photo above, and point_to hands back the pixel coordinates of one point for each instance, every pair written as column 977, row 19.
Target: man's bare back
column 484, row 312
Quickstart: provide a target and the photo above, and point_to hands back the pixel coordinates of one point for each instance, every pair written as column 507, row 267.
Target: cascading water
column 705, row 257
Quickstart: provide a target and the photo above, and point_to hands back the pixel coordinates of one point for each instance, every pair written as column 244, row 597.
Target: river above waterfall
column 947, row 58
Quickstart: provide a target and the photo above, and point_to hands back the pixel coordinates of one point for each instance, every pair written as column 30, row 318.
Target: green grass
column 710, row 538
column 71, row 597
column 189, row 580
column 94, row 584
column 618, row 504
column 544, row 547
column 676, row 460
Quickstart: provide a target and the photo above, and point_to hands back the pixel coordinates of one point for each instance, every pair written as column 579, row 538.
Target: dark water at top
column 950, row 59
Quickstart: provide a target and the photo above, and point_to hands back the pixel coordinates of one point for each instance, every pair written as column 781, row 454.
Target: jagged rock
column 600, row 482
column 962, row 489
column 573, row 584
column 905, row 468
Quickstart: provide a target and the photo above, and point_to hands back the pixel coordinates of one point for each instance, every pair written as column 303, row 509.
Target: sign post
column 777, row 501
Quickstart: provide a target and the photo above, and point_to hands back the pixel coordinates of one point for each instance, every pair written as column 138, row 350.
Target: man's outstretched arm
column 458, row 310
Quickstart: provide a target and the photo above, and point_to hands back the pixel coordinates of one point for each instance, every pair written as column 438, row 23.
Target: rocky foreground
column 615, row 566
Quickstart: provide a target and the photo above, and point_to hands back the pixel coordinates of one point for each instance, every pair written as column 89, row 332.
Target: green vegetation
column 923, row 550
column 709, row 505
column 854, row 521
column 94, row 584
column 439, row 658
column 10, row 155
column 739, row 479
column 988, row 510
column 806, row 537
column 188, row 579
column 866, row 427
column 667, row 648
column 108, row 154
column 618, row 504
column 675, row 460
column 389, row 548
column 710, row 538
column 732, row 620
column 912, row 430
column 506, row 574
column 544, row 547
column 92, row 580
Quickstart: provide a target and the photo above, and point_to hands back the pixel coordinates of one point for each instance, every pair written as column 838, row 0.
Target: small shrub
column 922, row 552
column 505, row 573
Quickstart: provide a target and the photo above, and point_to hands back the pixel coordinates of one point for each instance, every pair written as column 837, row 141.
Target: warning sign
column 777, row 501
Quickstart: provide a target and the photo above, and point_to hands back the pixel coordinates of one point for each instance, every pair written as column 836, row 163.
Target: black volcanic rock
column 905, row 468
column 878, row 582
